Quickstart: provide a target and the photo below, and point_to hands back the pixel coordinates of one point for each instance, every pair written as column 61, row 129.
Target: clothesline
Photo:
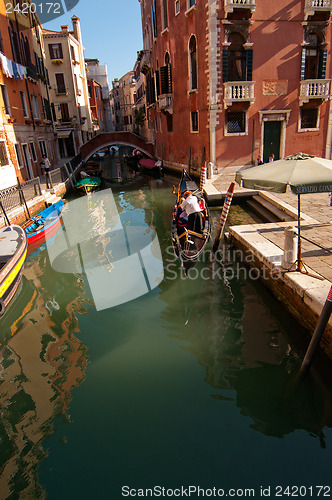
column 12, row 69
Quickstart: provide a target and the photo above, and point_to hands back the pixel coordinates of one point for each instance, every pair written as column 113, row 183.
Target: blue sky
column 111, row 32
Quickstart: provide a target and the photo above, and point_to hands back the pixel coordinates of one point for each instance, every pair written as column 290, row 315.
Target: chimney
column 76, row 28
column 65, row 28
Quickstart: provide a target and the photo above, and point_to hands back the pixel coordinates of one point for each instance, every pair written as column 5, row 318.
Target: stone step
column 50, row 199
column 265, row 214
column 280, row 214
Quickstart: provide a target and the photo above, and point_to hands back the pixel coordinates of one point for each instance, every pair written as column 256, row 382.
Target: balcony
column 230, row 5
column 313, row 6
column 146, row 62
column 314, row 89
column 166, row 103
column 238, row 92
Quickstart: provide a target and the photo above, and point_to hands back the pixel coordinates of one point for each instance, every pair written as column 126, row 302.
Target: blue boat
column 38, row 227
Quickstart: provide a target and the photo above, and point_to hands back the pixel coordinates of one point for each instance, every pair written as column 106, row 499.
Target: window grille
column 235, row 122
column 309, row 117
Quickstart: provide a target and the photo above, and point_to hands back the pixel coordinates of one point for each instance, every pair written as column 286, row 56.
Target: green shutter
column 225, row 65
column 303, row 64
column 248, row 62
column 322, row 63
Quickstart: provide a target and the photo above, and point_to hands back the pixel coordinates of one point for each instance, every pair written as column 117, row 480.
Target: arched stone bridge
column 105, row 139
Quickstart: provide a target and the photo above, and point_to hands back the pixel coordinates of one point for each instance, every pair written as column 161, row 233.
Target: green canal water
column 191, row 384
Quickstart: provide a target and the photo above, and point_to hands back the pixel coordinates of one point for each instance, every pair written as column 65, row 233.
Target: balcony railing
column 312, row 6
column 314, row 89
column 166, row 103
column 238, row 92
column 230, row 5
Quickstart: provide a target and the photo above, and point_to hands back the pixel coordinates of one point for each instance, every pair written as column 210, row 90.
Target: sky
column 111, row 32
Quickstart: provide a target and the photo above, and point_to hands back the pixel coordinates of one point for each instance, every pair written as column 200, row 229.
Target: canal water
column 153, row 381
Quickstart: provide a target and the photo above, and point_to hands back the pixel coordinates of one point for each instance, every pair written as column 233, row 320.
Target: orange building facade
column 96, row 106
column 26, row 131
column 228, row 80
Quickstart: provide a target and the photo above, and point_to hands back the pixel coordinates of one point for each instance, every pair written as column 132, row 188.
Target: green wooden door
column 272, row 132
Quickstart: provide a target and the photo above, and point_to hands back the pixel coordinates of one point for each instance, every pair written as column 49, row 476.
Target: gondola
column 37, row 228
column 189, row 244
column 13, row 250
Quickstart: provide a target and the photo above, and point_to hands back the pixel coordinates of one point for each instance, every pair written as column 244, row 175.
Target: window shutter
column 225, row 65
column 157, row 83
column 166, row 79
column 303, row 64
column 248, row 62
column 322, row 63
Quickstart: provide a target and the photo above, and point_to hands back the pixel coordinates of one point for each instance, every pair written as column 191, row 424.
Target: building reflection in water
column 239, row 337
column 41, row 361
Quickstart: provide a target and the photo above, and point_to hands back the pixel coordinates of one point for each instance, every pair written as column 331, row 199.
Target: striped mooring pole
column 317, row 335
column 223, row 217
column 203, row 176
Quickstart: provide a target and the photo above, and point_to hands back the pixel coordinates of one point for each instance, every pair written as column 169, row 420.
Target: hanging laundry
column 15, row 71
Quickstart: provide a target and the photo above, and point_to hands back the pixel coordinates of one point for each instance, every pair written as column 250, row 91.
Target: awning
column 63, row 134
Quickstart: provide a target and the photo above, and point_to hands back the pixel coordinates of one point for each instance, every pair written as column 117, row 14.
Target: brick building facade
column 231, row 79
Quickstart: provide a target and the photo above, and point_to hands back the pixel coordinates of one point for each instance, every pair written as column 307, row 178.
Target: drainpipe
column 212, row 29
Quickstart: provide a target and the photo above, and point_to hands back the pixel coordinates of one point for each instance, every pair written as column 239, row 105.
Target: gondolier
column 191, row 206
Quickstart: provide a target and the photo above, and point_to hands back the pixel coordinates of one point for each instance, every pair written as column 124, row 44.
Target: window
column 33, row 152
column 64, row 110
column 72, row 50
column 18, row 155
column 236, row 58
column 60, row 83
column 55, row 50
column 166, row 76
column 3, row 154
column 309, row 118
column 169, row 121
column 47, row 110
column 177, row 7
column 193, row 63
column 24, row 104
column 313, row 65
column 35, row 106
column 154, row 18
column 235, row 122
column 5, row 99
column 164, row 14
column 190, row 3
column 194, row 121
column 42, row 147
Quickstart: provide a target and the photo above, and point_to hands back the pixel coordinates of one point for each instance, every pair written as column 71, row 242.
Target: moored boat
column 13, row 250
column 43, row 224
column 88, row 184
column 151, row 166
column 190, row 234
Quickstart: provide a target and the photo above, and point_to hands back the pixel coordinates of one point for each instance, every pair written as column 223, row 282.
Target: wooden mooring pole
column 317, row 335
column 223, row 218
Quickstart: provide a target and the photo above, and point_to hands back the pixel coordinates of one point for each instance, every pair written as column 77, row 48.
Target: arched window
column 193, row 63
column 166, row 76
column 236, row 58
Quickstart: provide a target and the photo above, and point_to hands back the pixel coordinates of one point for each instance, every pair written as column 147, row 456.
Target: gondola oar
column 223, row 218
